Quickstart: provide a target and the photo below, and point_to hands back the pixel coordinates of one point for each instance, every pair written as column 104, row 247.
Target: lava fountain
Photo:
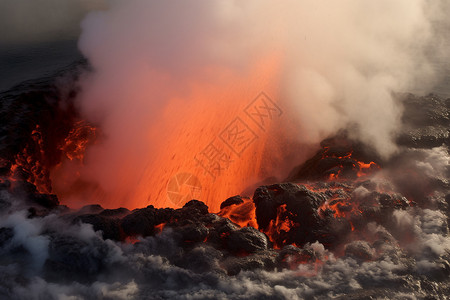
column 216, row 141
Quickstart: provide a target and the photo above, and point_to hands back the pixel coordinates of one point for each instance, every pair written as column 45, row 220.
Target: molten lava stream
column 242, row 214
column 365, row 169
column 210, row 149
column 202, row 145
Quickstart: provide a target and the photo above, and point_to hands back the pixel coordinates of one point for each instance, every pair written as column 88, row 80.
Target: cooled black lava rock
column 143, row 221
column 230, row 201
column 110, row 227
column 265, row 260
column 297, row 199
column 219, row 230
column 224, row 226
column 266, row 204
column 196, row 205
column 300, row 208
column 117, row 212
column 90, row 209
column 192, row 233
column 246, row 240
column 339, row 156
column 193, row 211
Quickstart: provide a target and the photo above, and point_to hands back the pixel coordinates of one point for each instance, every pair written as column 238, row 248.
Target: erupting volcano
column 224, row 150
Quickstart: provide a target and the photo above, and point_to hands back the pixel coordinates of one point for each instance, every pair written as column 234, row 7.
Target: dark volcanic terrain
column 345, row 224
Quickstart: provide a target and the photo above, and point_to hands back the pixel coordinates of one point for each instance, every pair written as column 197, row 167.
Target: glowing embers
column 240, row 211
column 278, row 228
column 340, row 207
column 365, row 169
column 29, row 165
column 160, row 227
column 346, row 166
column 339, row 159
column 78, row 139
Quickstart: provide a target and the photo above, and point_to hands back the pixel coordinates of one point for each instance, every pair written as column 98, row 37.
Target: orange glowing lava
column 29, row 164
column 365, row 169
column 160, row 227
column 279, row 227
column 360, row 168
column 242, row 214
column 78, row 139
column 216, row 140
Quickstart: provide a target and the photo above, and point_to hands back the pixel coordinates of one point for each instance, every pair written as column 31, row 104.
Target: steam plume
column 168, row 77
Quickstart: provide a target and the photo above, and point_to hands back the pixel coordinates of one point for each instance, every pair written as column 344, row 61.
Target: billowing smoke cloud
column 169, row 76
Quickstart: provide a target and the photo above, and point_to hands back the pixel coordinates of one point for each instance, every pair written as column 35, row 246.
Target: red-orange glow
column 361, row 168
column 160, row 227
column 30, row 161
column 131, row 240
column 278, row 227
column 342, row 208
column 78, row 139
column 365, row 169
column 207, row 134
column 195, row 142
column 334, row 176
column 241, row 214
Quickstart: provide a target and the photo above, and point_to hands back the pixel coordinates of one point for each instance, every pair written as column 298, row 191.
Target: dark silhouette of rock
column 232, row 200
column 143, row 221
column 90, row 209
column 110, row 227
column 246, row 240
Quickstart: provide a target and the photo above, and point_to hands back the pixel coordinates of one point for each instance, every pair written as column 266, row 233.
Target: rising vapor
column 168, row 77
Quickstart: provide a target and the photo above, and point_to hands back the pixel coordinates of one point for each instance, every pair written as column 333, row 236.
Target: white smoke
column 336, row 65
column 28, row 234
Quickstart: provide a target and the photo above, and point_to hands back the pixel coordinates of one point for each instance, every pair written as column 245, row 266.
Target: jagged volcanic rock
column 246, row 240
